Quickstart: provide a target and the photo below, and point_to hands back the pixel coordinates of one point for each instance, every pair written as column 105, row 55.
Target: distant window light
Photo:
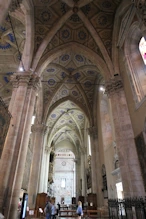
column 21, row 69
column 89, row 144
column 63, row 183
column 142, row 49
column 33, row 119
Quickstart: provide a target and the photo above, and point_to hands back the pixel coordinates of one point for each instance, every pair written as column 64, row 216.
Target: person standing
column 48, row 210
column 58, row 208
column 79, row 210
column 53, row 213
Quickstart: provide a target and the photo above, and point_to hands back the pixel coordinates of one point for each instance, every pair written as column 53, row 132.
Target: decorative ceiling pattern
column 9, row 55
column 70, row 76
column 66, row 122
column 99, row 13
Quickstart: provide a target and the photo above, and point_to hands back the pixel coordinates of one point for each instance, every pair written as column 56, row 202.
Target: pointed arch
column 28, row 10
column 91, row 55
column 56, row 104
column 135, row 62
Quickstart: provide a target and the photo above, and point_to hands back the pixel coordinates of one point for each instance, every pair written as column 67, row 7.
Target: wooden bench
column 94, row 213
column 86, row 213
column 67, row 213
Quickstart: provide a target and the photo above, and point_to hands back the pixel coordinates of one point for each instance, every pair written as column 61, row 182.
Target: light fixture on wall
column 102, row 88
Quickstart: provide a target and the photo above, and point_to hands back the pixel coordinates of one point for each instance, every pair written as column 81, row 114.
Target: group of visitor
column 51, row 210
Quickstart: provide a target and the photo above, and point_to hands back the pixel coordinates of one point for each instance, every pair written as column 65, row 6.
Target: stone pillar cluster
column 44, row 174
column 14, row 154
column 38, row 131
column 124, row 138
column 95, row 164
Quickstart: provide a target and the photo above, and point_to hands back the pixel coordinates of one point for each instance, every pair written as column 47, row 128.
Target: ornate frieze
column 20, row 78
column 114, row 85
column 25, row 78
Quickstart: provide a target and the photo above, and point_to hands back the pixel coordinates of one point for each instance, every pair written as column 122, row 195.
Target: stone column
column 10, row 143
column 19, row 158
column 93, row 135
column 83, row 171
column 38, row 130
column 46, row 168
column 95, row 165
column 77, row 162
column 43, row 165
column 43, row 184
column 124, row 138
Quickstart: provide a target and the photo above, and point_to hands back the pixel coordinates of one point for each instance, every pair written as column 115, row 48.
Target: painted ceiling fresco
column 72, row 76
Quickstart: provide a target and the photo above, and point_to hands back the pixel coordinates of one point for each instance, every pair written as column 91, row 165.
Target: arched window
column 135, row 53
column 142, row 49
column 89, row 145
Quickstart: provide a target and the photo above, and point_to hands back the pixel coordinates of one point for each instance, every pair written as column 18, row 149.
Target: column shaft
column 124, row 137
column 19, row 160
column 9, row 147
column 38, row 132
column 95, row 165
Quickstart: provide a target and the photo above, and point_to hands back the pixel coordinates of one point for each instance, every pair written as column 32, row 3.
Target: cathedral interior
column 72, row 101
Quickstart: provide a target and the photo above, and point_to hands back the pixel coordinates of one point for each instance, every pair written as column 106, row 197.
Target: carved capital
column 47, row 150
column 25, row 79
column 113, row 86
column 93, row 131
column 39, row 128
column 34, row 82
column 18, row 79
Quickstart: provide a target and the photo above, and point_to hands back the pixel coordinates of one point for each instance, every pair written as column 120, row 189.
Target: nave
column 72, row 104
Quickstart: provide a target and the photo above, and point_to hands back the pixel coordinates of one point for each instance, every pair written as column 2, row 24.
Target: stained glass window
column 142, row 49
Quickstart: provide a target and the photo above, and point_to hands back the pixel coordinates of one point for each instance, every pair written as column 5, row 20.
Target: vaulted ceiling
column 69, row 78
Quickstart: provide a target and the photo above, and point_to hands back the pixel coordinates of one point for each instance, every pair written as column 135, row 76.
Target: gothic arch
column 91, row 55
column 29, row 43
column 82, row 108
column 135, row 62
column 118, row 24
